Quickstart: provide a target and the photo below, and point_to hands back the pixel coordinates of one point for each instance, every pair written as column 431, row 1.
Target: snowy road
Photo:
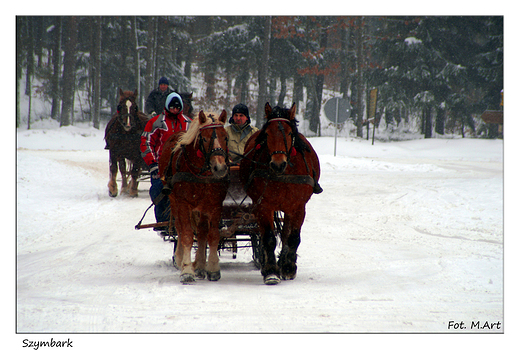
column 406, row 237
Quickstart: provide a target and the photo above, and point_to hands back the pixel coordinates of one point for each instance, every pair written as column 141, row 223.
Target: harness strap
column 211, row 126
column 189, row 177
column 279, row 120
column 134, row 137
column 292, row 179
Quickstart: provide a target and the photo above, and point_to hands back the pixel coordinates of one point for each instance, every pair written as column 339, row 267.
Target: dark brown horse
column 187, row 98
column 280, row 172
column 123, row 137
column 194, row 165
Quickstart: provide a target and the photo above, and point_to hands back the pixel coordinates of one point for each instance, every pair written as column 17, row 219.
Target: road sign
column 337, row 110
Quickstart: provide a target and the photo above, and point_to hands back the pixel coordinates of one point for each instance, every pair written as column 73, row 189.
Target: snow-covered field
column 407, row 237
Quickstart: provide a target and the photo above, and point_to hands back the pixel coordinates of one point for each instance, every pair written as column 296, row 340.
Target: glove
column 154, row 170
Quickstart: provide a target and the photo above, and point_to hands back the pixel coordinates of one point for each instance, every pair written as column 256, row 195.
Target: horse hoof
column 187, row 278
column 214, row 276
column 289, row 272
column 200, row 274
column 112, row 194
column 271, row 280
column 289, row 276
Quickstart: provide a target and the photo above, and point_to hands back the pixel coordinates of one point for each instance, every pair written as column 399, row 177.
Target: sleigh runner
column 238, row 227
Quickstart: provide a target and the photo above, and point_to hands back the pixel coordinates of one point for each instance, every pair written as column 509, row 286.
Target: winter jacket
column 237, row 138
column 155, row 101
column 157, row 131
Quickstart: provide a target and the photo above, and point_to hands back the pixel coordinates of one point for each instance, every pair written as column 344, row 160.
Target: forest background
column 437, row 72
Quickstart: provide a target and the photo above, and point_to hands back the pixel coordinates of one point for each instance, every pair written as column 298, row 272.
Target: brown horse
column 123, row 137
column 194, row 166
column 280, row 172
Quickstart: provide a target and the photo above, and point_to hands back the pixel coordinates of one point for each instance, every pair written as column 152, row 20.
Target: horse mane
column 192, row 134
column 282, row 112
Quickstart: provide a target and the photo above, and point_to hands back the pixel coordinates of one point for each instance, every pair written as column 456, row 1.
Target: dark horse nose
column 278, row 167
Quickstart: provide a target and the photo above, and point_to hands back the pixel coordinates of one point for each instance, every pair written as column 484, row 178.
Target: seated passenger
column 239, row 131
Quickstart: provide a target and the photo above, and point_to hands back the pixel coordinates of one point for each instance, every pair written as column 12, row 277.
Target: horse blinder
column 202, row 153
column 289, row 151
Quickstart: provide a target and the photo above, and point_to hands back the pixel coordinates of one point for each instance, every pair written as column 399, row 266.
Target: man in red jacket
column 156, row 133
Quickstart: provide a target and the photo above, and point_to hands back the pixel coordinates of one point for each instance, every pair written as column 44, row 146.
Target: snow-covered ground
column 407, row 237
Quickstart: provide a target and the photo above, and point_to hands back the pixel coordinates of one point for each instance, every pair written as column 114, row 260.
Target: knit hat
column 163, row 80
column 240, row 108
column 173, row 99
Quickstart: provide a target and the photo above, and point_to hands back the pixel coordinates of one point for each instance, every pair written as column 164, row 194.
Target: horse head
column 280, row 134
column 212, row 143
column 186, row 102
column 127, row 109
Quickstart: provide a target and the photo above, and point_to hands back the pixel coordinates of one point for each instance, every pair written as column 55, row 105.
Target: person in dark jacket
column 239, row 131
column 156, row 99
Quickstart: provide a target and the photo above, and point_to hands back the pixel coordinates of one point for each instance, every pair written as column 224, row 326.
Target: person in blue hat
column 156, row 99
column 156, row 132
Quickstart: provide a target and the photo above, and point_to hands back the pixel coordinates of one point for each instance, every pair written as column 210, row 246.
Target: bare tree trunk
column 314, row 123
column 56, row 66
column 428, row 123
column 345, row 81
column 96, row 56
column 262, row 73
column 359, row 77
column 19, row 58
column 440, row 119
column 283, row 88
column 187, row 63
column 150, row 56
column 298, row 91
column 69, row 67
column 30, row 69
column 137, row 57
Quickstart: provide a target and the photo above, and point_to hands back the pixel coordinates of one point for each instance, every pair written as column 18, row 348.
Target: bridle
column 219, row 151
column 122, row 116
column 289, row 151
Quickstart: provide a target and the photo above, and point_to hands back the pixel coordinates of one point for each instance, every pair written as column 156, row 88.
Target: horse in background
column 280, row 173
column 123, row 137
column 194, row 167
column 187, row 98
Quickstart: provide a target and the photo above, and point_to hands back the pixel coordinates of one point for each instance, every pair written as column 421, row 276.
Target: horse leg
column 133, row 182
column 202, row 240
column 270, row 270
column 290, row 243
column 122, row 170
column 112, row 184
column 213, row 266
column 184, row 244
